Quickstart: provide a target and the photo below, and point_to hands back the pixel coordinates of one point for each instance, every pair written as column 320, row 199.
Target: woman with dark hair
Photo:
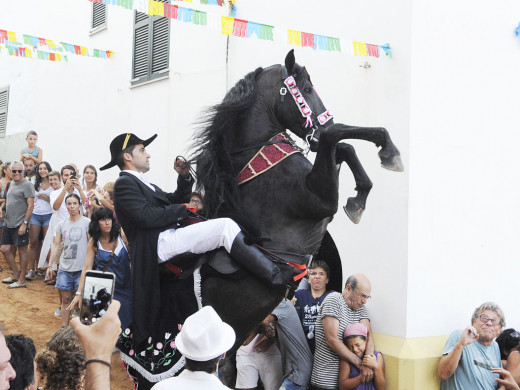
column 73, row 234
column 41, row 214
column 62, row 363
column 107, row 251
column 509, row 343
column 7, row 176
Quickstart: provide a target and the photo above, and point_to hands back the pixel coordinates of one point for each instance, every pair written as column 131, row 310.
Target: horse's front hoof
column 353, row 210
column 391, row 162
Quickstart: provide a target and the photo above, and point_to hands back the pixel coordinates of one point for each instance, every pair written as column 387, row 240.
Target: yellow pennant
column 294, row 37
column 227, row 25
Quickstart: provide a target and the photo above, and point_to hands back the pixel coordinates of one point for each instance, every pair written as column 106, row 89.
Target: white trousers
column 197, row 238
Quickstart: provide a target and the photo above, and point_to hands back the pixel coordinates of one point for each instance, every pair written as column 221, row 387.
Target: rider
column 151, row 217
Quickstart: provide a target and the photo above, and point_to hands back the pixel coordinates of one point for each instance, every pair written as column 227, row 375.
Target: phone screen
column 97, row 295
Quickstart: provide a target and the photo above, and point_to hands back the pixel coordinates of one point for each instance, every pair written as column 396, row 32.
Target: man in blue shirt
column 470, row 355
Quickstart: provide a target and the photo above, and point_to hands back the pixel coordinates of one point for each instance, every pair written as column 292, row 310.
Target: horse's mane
column 216, row 175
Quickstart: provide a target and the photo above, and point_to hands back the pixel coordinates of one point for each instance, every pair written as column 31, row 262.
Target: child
column 32, row 151
column 73, row 232
column 349, row 375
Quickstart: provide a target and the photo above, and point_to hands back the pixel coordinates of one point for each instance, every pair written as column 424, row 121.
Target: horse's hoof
column 391, row 162
column 353, row 210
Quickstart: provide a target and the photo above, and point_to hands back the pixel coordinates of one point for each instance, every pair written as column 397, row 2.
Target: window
column 99, row 17
column 151, row 47
column 4, row 98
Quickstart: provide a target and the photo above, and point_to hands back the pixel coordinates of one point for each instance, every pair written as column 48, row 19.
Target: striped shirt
column 325, row 370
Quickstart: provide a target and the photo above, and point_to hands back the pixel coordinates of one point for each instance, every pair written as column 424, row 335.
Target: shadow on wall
column 328, row 253
column 11, row 145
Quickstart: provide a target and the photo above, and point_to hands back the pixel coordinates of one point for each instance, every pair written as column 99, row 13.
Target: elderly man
column 470, row 354
column 203, row 341
column 6, row 370
column 19, row 206
column 338, row 311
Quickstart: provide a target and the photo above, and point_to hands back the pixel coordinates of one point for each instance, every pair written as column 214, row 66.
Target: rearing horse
column 292, row 201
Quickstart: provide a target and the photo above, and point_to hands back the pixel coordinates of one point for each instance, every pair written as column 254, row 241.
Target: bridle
column 306, row 111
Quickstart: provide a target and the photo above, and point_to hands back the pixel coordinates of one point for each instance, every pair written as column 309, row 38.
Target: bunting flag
column 8, row 38
column 25, row 52
column 231, row 26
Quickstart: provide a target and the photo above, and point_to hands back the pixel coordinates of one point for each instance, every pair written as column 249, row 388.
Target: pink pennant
column 307, row 39
column 372, row 50
column 239, row 28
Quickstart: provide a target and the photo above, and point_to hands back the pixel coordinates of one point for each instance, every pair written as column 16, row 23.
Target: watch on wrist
column 25, row 222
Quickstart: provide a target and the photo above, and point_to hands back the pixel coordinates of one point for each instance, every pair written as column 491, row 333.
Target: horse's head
column 298, row 106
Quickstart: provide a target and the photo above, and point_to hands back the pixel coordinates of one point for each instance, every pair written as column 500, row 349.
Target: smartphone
column 73, row 175
column 97, row 295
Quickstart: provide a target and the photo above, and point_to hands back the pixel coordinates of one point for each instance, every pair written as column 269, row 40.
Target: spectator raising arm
column 98, row 342
column 449, row 362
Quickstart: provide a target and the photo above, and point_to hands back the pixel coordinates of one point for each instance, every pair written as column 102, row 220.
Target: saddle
column 219, row 260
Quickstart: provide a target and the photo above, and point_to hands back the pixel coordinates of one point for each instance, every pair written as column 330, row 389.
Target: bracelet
column 98, row 361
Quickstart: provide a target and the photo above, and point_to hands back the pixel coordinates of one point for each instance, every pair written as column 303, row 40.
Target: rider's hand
column 182, row 168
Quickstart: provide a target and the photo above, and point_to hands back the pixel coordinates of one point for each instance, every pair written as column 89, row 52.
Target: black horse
column 292, row 202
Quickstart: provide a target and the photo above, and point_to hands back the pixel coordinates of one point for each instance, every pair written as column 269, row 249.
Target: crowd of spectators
column 62, row 224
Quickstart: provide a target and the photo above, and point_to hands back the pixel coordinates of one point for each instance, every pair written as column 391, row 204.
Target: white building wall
column 428, row 234
column 464, row 213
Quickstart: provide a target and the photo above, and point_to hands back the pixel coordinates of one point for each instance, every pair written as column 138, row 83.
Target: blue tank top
column 120, row 265
column 33, row 153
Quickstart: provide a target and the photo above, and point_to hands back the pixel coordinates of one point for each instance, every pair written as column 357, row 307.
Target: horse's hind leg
column 355, row 205
column 389, row 154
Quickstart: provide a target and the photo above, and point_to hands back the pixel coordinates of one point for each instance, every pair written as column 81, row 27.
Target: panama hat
column 121, row 142
column 204, row 336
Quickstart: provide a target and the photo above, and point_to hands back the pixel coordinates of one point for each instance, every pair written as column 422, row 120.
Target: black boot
column 255, row 261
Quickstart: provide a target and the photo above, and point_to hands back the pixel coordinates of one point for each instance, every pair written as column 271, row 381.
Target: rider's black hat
column 121, row 142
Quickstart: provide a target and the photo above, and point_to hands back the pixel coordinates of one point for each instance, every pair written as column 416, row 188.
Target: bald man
column 338, row 311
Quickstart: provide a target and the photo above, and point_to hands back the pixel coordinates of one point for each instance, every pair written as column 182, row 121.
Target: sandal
column 17, row 285
column 9, row 280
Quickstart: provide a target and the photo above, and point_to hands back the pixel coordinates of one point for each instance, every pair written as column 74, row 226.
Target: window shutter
column 4, row 96
column 99, row 15
column 151, row 47
column 160, row 44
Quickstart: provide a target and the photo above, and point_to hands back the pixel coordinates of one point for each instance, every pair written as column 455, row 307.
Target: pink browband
column 303, row 106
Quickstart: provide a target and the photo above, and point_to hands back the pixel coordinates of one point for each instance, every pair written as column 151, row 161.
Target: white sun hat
column 204, row 336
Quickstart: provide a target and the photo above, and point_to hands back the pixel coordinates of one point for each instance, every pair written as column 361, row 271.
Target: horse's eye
column 307, row 90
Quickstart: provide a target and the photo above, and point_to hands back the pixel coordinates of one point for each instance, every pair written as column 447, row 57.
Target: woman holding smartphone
column 107, row 251
column 73, row 233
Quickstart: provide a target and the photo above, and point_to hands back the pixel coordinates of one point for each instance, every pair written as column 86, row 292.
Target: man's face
column 140, row 159
column 17, row 171
column 66, row 175
column 29, row 167
column 6, row 370
column 318, row 278
column 54, row 181
column 357, row 297
column 486, row 330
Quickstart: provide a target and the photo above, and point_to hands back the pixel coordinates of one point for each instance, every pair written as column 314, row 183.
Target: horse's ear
column 290, row 62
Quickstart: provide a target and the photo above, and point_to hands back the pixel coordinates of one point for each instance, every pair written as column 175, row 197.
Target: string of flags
column 232, row 26
column 45, row 49
column 227, row 25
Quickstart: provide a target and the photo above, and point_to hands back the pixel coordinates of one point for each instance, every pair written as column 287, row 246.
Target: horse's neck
column 260, row 127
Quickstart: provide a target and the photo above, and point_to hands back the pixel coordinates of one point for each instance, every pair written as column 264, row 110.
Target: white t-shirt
column 41, row 206
column 75, row 240
column 63, row 212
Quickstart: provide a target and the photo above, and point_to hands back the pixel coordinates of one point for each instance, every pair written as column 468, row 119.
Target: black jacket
column 143, row 215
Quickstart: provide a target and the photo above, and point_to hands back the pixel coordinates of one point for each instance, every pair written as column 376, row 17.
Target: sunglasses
column 17, row 170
